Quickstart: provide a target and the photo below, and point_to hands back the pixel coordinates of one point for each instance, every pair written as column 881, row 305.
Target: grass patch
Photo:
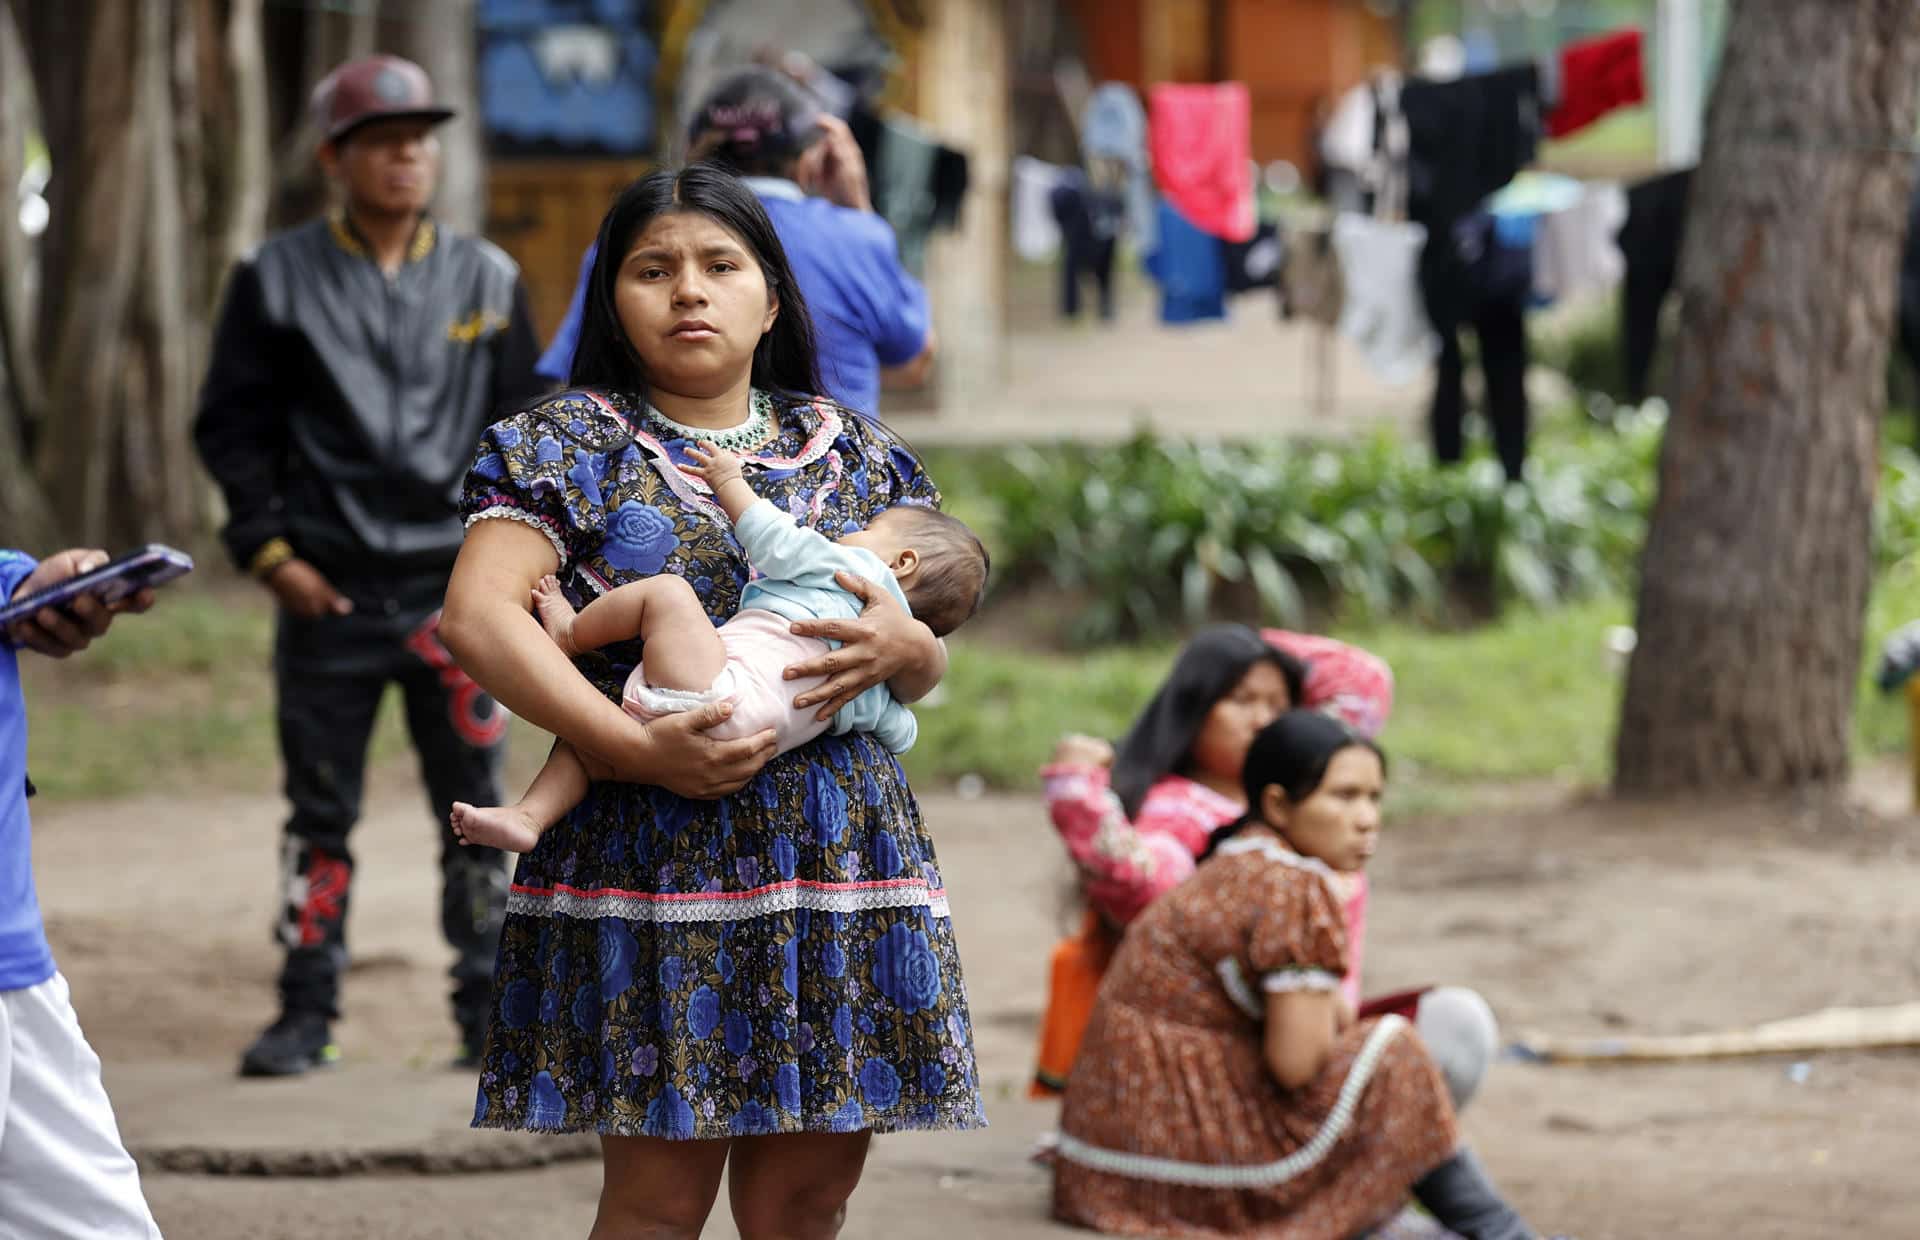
column 196, row 631
column 181, row 698
column 1531, row 697
column 1001, row 708
column 1880, row 720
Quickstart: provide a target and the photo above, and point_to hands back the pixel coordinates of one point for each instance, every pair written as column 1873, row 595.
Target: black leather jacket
column 342, row 408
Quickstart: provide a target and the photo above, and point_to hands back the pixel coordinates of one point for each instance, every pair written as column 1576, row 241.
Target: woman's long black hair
column 1294, row 752
column 1161, row 739
column 785, row 360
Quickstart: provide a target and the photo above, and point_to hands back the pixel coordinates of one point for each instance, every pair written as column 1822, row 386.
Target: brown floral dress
column 1172, row 1125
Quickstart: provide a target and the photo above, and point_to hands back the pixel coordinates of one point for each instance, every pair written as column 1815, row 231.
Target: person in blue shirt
column 931, row 564
column 870, row 316
column 63, row 1170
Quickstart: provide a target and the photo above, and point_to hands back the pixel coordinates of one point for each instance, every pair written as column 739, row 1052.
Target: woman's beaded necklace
column 748, row 435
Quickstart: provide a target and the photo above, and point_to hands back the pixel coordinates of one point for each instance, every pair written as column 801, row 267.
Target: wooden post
column 1913, row 736
column 964, row 95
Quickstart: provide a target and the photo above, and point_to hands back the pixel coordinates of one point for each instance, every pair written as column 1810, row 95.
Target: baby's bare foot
column 555, row 612
column 496, row 826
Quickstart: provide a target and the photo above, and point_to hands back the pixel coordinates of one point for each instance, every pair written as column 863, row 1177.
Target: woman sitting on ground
column 1135, row 820
column 1223, row 1089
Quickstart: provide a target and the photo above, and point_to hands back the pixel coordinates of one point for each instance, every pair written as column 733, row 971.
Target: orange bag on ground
column 1073, row 982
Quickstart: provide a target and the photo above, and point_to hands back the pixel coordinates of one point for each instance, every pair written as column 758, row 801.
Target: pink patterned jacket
column 1126, row 865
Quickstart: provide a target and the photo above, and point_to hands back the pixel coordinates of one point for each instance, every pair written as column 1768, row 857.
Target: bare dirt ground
column 1571, row 917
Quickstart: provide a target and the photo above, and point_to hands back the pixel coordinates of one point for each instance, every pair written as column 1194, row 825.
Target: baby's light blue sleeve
column 783, row 549
column 897, row 729
column 879, row 712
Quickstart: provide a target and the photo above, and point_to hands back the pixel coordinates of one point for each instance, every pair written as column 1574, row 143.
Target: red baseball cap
column 374, row 88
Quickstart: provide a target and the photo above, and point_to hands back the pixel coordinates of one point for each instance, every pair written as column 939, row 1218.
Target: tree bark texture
column 25, row 520
column 116, row 296
column 146, row 143
column 1757, row 564
column 329, row 35
column 440, row 35
column 161, row 118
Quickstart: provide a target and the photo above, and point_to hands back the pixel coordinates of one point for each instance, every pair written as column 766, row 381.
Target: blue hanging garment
column 1189, row 268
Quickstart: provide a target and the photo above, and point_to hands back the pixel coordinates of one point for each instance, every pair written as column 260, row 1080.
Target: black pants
column 1650, row 243
column 331, row 675
column 1084, row 256
column 1084, row 251
column 1501, row 330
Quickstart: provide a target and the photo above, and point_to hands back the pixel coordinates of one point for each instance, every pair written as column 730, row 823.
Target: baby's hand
column 715, row 465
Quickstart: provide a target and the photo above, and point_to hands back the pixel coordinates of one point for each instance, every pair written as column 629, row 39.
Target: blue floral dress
column 781, row 960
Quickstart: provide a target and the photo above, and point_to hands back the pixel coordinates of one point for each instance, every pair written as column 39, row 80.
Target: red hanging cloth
column 1597, row 76
column 1201, row 140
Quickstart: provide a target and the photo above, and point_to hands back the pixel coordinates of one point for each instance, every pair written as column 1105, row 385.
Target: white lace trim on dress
column 561, row 901
column 1253, row 1175
column 510, row 513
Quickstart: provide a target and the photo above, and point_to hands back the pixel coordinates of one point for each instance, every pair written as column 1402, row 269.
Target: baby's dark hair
column 952, row 579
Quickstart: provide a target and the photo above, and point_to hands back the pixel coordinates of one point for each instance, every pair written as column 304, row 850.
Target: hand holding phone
column 73, row 596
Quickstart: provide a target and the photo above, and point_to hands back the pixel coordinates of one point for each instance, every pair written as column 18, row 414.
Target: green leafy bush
column 1157, row 532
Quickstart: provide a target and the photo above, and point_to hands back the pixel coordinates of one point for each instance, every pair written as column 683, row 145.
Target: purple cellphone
column 153, row 565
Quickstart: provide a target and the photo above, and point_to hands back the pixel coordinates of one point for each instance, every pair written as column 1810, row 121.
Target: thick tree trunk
column 963, row 92
column 124, row 306
column 333, row 34
column 153, row 113
column 91, row 256
column 25, row 520
column 155, row 495
column 439, row 35
column 249, row 188
column 1757, row 564
column 235, row 170
column 230, row 164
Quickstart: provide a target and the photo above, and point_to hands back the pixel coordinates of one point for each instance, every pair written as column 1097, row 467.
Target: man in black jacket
column 357, row 360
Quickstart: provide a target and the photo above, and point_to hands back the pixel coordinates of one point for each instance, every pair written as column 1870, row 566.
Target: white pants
column 64, row 1175
column 1461, row 1035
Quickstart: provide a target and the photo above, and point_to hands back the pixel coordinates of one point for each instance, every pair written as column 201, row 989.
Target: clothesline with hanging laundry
column 1178, row 184
column 1432, row 233
column 1438, row 232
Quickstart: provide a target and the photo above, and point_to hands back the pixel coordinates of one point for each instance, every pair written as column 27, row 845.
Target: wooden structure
column 1295, row 56
column 545, row 212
